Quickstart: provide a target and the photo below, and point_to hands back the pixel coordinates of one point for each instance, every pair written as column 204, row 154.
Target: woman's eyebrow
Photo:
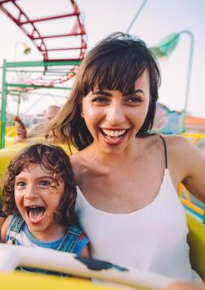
column 101, row 92
column 105, row 93
column 136, row 91
column 139, row 91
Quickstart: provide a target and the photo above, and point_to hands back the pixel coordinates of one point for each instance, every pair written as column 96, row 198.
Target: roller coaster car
column 12, row 256
column 68, row 263
column 196, row 240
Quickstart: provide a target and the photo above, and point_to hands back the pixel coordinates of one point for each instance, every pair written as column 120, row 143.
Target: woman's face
column 114, row 119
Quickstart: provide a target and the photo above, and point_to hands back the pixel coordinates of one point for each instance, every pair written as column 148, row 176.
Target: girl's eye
column 44, row 183
column 20, row 184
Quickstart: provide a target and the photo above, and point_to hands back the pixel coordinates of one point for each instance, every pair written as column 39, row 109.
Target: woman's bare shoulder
column 181, row 151
column 173, row 139
column 177, row 142
column 188, row 163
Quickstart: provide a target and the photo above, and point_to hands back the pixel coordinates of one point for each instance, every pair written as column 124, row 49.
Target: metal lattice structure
column 66, row 43
column 56, row 30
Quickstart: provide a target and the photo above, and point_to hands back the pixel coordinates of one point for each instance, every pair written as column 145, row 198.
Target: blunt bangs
column 116, row 66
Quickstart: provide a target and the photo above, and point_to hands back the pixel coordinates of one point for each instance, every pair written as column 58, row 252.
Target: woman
column 127, row 179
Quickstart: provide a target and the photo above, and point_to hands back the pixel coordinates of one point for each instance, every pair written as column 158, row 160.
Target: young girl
column 127, row 179
column 39, row 192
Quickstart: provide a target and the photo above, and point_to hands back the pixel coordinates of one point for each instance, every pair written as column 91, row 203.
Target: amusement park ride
column 61, row 53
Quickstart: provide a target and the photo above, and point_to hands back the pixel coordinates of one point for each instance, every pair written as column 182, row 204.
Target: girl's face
column 114, row 119
column 37, row 198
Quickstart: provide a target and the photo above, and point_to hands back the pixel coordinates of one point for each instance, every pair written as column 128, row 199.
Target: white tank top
column 153, row 238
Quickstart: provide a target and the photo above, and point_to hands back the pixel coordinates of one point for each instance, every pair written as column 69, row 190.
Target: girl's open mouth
column 35, row 213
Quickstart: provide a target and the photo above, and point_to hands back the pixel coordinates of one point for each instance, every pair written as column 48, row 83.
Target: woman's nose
column 115, row 114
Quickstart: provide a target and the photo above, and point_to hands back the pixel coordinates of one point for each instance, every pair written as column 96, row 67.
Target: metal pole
column 135, row 17
column 188, row 74
column 3, row 106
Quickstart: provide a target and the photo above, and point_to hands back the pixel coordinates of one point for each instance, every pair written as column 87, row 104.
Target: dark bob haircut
column 114, row 64
column 53, row 159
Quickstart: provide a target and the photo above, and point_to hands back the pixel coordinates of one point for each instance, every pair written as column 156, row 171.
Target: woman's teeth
column 113, row 133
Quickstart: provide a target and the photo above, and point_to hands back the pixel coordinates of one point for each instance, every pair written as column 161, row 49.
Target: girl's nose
column 31, row 192
column 115, row 114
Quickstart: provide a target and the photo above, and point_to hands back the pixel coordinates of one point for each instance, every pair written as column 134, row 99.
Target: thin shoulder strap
column 16, row 225
column 70, row 239
column 165, row 150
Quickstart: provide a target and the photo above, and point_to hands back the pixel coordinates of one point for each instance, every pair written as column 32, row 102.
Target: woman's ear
column 81, row 113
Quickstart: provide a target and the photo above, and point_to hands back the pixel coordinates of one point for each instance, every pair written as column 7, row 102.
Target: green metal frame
column 6, row 85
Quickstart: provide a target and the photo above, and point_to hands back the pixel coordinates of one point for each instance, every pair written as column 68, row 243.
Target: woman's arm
column 187, row 165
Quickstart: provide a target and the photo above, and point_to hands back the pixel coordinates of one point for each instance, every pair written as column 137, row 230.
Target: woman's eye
column 133, row 100
column 100, row 100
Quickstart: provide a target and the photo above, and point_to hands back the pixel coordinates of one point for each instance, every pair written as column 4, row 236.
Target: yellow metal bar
column 192, row 206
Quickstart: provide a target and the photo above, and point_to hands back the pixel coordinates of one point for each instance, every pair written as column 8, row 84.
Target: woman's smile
column 114, row 119
column 113, row 136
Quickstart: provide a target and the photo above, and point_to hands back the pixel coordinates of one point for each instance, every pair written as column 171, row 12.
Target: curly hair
column 53, row 159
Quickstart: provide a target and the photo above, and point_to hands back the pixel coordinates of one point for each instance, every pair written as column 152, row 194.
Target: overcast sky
column 158, row 19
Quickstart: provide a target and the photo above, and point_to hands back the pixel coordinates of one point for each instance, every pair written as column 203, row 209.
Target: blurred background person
column 37, row 130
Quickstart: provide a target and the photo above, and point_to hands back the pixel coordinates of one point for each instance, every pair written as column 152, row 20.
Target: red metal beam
column 50, row 18
column 35, row 34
